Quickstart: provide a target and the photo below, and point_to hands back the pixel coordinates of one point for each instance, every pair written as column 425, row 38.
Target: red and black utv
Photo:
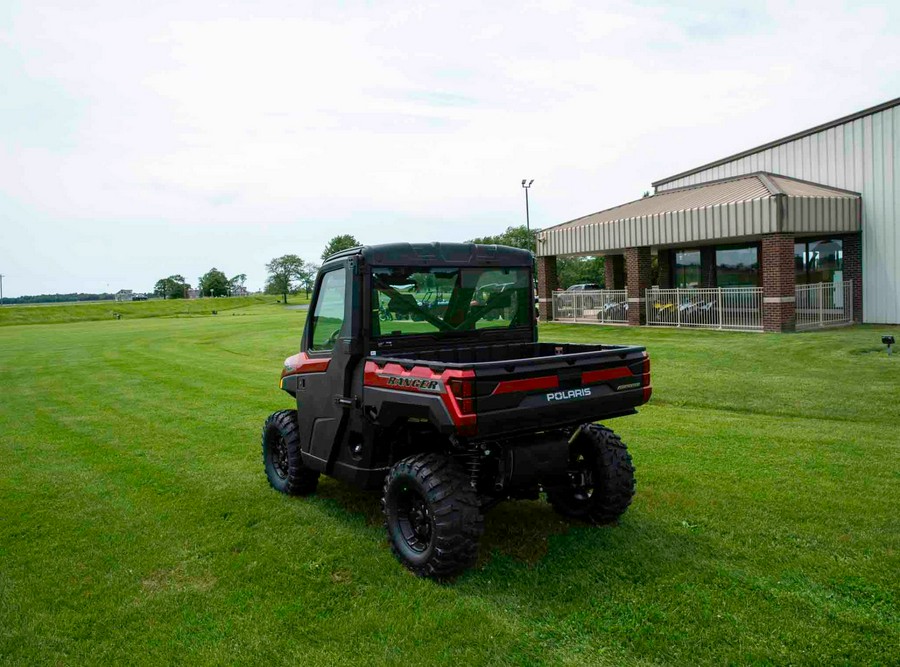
column 420, row 372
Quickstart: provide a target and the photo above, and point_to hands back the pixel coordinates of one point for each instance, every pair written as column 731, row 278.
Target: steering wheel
column 332, row 339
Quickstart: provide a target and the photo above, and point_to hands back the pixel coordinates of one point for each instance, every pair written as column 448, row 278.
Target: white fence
column 824, row 304
column 731, row 308
column 609, row 306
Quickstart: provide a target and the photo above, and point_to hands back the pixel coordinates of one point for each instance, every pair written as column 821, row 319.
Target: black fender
column 385, row 407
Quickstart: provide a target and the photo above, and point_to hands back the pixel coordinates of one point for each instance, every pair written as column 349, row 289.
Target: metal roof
column 792, row 137
column 744, row 206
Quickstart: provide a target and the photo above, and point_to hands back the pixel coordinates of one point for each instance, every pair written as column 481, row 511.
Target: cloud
column 177, row 136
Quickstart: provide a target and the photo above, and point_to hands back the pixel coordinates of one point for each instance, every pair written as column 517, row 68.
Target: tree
column 338, row 243
column 173, row 287
column 236, row 284
column 570, row 270
column 578, row 270
column 515, row 237
column 283, row 272
column 214, row 283
column 308, row 279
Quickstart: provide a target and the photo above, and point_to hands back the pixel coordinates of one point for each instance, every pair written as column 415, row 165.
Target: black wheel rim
column 415, row 520
column 279, row 457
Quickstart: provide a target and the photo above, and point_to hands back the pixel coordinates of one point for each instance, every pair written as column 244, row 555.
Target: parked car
column 588, row 301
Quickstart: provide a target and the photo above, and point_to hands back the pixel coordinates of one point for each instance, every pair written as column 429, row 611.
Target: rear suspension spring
column 473, row 465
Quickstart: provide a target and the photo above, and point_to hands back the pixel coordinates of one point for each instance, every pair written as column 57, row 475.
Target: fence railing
column 594, row 306
column 731, row 308
column 824, row 304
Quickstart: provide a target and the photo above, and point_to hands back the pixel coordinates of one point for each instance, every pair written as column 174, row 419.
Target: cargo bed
column 536, row 386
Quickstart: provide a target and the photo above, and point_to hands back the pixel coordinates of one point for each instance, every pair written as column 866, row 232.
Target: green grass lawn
column 136, row 525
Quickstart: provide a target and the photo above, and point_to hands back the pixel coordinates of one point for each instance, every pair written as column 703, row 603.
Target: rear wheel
column 601, row 477
column 432, row 516
column 281, row 456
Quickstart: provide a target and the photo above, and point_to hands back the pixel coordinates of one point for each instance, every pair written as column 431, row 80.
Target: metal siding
column 805, row 215
column 860, row 155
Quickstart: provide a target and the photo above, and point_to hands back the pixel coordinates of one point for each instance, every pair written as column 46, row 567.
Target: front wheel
column 601, row 477
column 281, row 456
column 432, row 516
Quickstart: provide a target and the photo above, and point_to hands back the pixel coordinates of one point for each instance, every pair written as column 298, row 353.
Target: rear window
column 420, row 300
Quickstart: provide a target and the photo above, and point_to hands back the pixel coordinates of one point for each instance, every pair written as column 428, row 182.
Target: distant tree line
column 290, row 274
column 59, row 298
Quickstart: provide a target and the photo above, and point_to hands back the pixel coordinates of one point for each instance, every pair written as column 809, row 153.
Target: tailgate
column 561, row 389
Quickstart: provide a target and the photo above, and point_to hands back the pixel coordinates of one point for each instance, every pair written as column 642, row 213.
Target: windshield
column 448, row 299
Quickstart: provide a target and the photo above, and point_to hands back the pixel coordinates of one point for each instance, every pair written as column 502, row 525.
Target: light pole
column 527, row 184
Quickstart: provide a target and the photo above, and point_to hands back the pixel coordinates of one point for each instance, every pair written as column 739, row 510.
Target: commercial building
column 797, row 233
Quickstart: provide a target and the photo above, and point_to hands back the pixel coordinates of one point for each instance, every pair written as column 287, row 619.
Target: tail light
column 463, row 390
column 645, row 378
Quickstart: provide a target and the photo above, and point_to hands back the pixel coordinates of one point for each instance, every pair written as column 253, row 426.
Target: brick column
column 778, row 282
column 708, row 266
column 637, row 268
column 853, row 271
column 547, row 281
column 665, row 261
column 614, row 271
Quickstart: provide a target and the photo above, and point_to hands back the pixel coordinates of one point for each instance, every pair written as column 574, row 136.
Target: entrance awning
column 733, row 208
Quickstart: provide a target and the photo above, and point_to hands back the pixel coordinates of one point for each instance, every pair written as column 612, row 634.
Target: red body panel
column 376, row 376
column 590, row 377
column 528, row 384
column 302, row 363
column 645, row 379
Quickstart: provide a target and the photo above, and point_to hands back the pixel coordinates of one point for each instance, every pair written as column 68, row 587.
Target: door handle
column 345, row 402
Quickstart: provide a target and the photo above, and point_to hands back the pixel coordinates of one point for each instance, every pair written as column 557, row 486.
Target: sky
column 144, row 139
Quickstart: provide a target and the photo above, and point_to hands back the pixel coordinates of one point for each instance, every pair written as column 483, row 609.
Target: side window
column 328, row 318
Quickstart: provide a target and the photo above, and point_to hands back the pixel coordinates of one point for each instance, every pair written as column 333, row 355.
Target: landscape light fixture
column 527, row 184
column 888, row 340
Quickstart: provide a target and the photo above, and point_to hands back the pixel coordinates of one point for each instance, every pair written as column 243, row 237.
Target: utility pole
column 1, row 289
column 526, row 184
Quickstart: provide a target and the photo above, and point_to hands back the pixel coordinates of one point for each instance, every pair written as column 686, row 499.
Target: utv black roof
column 437, row 254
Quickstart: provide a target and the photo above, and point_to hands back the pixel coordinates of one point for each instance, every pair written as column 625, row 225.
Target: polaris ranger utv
column 420, row 373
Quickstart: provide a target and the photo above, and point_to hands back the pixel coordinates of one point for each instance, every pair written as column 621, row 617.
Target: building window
column 687, row 268
column 819, row 261
column 737, row 266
